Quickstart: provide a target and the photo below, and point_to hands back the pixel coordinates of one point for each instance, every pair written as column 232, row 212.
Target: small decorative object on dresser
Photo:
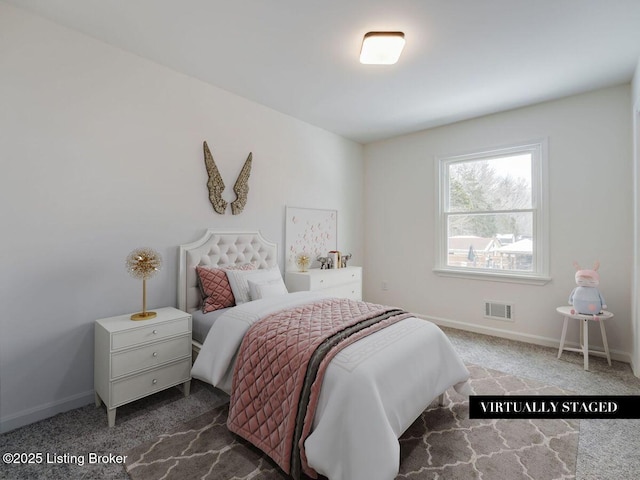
column 324, row 262
column 303, row 260
column 143, row 263
column 345, row 282
column 133, row 360
column 345, row 259
column 336, row 260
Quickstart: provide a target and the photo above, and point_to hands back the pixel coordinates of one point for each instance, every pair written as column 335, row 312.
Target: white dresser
column 339, row 282
column 134, row 359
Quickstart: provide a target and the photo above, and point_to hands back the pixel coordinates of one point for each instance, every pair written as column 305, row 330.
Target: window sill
column 493, row 277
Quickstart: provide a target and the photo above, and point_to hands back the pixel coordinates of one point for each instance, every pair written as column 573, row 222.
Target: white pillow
column 270, row 288
column 238, row 279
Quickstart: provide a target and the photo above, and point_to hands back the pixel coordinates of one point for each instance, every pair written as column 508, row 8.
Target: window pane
column 494, row 241
column 502, row 183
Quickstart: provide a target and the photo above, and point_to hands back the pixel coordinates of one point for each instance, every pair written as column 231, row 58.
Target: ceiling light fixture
column 381, row 48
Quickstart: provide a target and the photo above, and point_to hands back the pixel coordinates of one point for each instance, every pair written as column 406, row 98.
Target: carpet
column 443, row 443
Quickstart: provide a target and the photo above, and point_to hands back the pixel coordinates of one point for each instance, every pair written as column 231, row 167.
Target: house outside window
column 493, row 220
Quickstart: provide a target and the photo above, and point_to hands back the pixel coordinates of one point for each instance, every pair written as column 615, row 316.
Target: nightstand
column 338, row 282
column 134, row 359
column 567, row 313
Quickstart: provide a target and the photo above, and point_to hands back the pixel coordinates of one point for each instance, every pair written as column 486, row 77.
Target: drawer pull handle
column 155, row 332
column 321, row 281
column 155, row 354
column 154, row 381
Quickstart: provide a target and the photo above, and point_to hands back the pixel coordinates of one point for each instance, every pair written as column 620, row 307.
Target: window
column 492, row 220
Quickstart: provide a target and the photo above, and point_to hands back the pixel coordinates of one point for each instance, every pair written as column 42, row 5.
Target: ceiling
column 462, row 59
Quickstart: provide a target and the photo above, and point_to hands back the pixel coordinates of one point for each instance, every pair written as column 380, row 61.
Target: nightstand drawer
column 123, row 363
column 329, row 278
column 151, row 333
column 143, row 384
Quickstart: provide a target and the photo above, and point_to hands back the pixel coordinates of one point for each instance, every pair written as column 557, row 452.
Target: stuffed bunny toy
column 586, row 298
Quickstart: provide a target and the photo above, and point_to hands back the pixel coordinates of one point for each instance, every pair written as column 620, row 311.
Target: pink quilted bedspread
column 272, row 364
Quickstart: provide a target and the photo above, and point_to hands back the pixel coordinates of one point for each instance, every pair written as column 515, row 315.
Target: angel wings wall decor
column 215, row 184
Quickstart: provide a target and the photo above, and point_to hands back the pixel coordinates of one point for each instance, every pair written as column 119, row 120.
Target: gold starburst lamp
column 143, row 263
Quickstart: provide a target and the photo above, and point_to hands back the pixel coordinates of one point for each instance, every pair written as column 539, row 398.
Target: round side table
column 565, row 311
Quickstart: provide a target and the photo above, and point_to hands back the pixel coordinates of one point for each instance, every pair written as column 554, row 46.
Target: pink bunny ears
column 596, row 266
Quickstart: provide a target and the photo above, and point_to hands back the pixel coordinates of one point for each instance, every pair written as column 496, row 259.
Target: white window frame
column 539, row 206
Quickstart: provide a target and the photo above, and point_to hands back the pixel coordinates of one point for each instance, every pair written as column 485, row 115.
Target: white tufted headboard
column 218, row 249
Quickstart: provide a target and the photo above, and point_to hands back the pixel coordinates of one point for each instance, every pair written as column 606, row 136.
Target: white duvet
column 373, row 390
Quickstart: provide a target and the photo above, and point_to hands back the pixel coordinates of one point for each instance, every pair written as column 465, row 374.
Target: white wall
column 635, row 88
column 591, row 205
column 101, row 153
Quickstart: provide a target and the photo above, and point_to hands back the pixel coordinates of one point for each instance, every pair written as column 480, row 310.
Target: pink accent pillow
column 215, row 288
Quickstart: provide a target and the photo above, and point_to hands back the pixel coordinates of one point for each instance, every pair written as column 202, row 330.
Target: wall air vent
column 498, row 311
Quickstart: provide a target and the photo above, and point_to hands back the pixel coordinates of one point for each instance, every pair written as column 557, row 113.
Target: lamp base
column 143, row 315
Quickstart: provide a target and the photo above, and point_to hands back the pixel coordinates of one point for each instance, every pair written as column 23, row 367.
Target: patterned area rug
column 443, row 443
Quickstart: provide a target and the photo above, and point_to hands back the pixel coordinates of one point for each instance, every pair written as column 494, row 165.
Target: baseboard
column 635, row 368
column 40, row 412
column 521, row 337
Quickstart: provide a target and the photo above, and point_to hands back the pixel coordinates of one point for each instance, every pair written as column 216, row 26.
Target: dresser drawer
column 352, row 291
column 143, row 384
column 140, row 335
column 329, row 278
column 130, row 361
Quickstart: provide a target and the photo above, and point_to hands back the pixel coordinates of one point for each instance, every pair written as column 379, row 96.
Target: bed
column 373, row 389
